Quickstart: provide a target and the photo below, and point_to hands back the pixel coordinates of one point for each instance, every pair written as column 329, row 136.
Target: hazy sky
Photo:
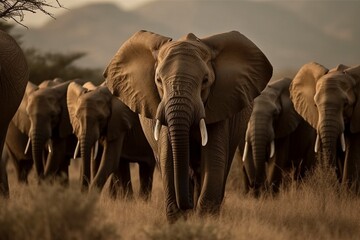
column 37, row 19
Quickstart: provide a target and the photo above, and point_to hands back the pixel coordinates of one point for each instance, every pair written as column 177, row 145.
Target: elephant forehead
column 335, row 81
column 188, row 49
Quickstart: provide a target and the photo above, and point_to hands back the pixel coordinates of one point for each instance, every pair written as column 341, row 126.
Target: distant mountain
column 289, row 33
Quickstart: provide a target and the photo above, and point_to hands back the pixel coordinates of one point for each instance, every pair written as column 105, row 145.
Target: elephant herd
column 188, row 107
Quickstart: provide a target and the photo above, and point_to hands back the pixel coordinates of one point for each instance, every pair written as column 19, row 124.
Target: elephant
column 98, row 117
column 279, row 136
column 328, row 101
column 14, row 75
column 16, row 142
column 191, row 95
column 50, row 126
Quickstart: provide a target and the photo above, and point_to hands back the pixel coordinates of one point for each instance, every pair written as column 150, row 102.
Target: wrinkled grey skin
column 192, row 96
column 14, row 75
column 274, row 121
column 328, row 100
column 96, row 115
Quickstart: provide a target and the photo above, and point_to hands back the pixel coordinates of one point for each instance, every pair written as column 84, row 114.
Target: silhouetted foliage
column 15, row 9
column 45, row 65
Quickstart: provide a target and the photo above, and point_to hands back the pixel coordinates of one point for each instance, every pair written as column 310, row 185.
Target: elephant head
column 186, row 84
column 273, row 117
column 49, row 118
column 95, row 114
column 328, row 100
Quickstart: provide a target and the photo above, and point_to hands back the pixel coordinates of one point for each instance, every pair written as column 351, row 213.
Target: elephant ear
column 241, row 73
column 288, row 119
column 74, row 91
column 354, row 72
column 21, row 119
column 130, row 75
column 339, row 68
column 303, row 89
column 89, row 86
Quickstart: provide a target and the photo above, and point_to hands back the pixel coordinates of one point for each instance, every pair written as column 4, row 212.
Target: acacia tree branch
column 15, row 9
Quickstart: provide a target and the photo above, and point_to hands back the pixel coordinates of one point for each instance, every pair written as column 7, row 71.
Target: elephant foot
column 173, row 214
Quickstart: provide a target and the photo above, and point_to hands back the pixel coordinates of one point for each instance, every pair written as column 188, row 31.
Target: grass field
column 315, row 209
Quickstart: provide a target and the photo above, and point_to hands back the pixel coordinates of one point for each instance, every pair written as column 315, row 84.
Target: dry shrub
column 192, row 230
column 53, row 212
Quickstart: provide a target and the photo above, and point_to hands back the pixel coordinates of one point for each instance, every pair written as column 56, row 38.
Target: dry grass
column 315, row 209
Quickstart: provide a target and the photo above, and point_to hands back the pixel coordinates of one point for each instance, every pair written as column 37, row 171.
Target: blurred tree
column 51, row 65
column 15, row 9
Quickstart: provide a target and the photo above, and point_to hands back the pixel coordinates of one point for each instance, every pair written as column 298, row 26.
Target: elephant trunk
column 260, row 144
column 38, row 142
column 330, row 130
column 85, row 151
column 179, row 117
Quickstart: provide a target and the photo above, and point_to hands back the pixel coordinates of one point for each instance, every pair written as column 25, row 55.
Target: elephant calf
column 98, row 117
column 276, row 135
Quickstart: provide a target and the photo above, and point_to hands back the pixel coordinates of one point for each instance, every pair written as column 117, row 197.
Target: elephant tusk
column 157, row 130
column 203, row 131
column 96, row 148
column 246, row 150
column 272, row 148
column 317, row 142
column 50, row 146
column 27, row 146
column 76, row 149
column 342, row 140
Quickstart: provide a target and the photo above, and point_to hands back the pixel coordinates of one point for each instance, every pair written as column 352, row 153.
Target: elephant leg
column 214, row 165
column 146, row 172
column 95, row 161
column 351, row 174
column 24, row 168
column 4, row 184
column 57, row 164
column 109, row 162
column 277, row 165
column 120, row 182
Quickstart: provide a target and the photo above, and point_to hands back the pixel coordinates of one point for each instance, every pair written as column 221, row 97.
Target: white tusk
column 50, row 146
column 246, row 149
column 317, row 142
column 157, row 130
column 27, row 146
column 203, row 131
column 76, row 149
column 272, row 148
column 342, row 139
column 96, row 148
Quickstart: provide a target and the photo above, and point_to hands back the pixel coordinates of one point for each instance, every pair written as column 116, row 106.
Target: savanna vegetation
column 317, row 208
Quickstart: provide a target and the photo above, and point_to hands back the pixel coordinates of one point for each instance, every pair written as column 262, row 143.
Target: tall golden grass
column 317, row 208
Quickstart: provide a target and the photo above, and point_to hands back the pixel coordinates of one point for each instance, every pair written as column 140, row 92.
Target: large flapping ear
column 89, row 86
column 303, row 89
column 130, row 75
column 21, row 118
column 241, row 73
column 339, row 68
column 120, row 120
column 73, row 93
column 354, row 72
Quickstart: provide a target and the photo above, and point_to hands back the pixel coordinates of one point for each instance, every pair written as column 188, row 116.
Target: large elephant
column 328, row 100
column 16, row 143
column 50, row 126
column 190, row 95
column 98, row 117
column 14, row 75
column 279, row 136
